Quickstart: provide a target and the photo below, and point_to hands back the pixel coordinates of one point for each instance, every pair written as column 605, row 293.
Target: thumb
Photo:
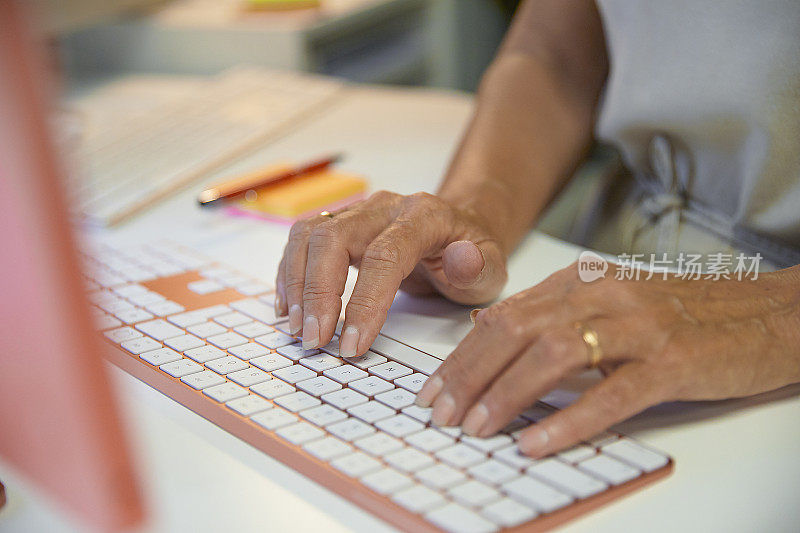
column 474, row 272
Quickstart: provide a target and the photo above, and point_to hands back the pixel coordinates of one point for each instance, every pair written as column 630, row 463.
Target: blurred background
column 437, row 43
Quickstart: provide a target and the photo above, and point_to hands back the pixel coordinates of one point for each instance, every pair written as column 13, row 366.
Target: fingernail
column 474, row 313
column 443, row 409
column 475, row 420
column 295, row 319
column 310, row 332
column 431, row 389
column 279, row 305
column 348, row 342
column 533, row 441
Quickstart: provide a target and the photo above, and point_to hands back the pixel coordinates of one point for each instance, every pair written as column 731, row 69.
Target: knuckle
column 502, row 319
column 294, row 284
column 324, row 232
column 315, row 290
column 553, row 348
column 383, row 196
column 382, row 254
column 300, row 229
column 365, row 304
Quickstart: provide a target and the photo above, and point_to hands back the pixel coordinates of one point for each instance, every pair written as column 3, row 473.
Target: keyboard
column 124, row 168
column 207, row 336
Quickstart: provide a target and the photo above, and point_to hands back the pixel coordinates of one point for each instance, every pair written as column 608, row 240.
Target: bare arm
column 535, row 116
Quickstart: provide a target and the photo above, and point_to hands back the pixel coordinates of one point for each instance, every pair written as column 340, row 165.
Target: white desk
column 737, row 462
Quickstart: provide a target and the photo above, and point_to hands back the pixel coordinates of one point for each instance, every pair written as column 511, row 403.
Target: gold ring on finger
column 592, row 342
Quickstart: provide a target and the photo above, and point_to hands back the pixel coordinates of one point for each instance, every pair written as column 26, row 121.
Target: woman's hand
column 418, row 238
column 661, row 340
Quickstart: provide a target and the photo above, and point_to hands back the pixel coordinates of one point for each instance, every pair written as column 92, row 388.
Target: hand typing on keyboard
column 418, row 241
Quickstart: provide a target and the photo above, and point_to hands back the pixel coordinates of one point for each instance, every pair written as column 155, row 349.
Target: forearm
column 533, row 123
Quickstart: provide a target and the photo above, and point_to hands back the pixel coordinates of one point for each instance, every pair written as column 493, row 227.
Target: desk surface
column 737, row 462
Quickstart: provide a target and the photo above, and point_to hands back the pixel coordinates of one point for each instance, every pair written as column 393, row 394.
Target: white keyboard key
column 332, row 347
column 493, row 472
column 270, row 362
column 297, row 401
column 327, row 448
column 386, row 481
column 423, row 414
column 350, row 429
column 318, row 386
column 160, row 356
column 320, row 362
column 216, row 272
column 396, row 399
column 344, row 398
column 249, row 405
column 116, row 305
column 146, row 298
column 300, row 433
column 413, row 382
column 295, row 352
column 345, row 373
column 457, row 519
column 474, row 494
column 371, row 385
column 635, row 454
column 231, row 320
column 204, row 354
column 356, row 464
column 274, row 339
column 576, row 454
column 399, row 425
column 206, row 329
column 371, row 411
column 122, row 334
column 390, row 370
column 508, row 513
column 405, row 355
column 225, row 392
column 408, row 460
column 609, row 469
column 205, row 286
column 164, row 308
column 450, row 431
column 419, row 499
column 226, row 365
column 488, row 444
column 367, row 360
column 184, row 343
column 258, row 310
column 429, row 440
column 440, row 476
column 248, row 351
column 273, row 388
column 249, row 376
column 159, row 329
column 201, row 380
column 274, row 418
column 227, row 340
column 379, row 444
column 141, row 345
column 180, row 368
column 253, row 289
column 323, row 415
column 198, row 315
column 294, row 373
column 126, row 291
column 131, row 316
column 567, row 478
column 104, row 322
column 461, row 456
column 513, row 457
column 253, row 329
column 536, row 494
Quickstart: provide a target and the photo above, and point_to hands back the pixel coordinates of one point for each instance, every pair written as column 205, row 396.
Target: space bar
column 405, row 354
